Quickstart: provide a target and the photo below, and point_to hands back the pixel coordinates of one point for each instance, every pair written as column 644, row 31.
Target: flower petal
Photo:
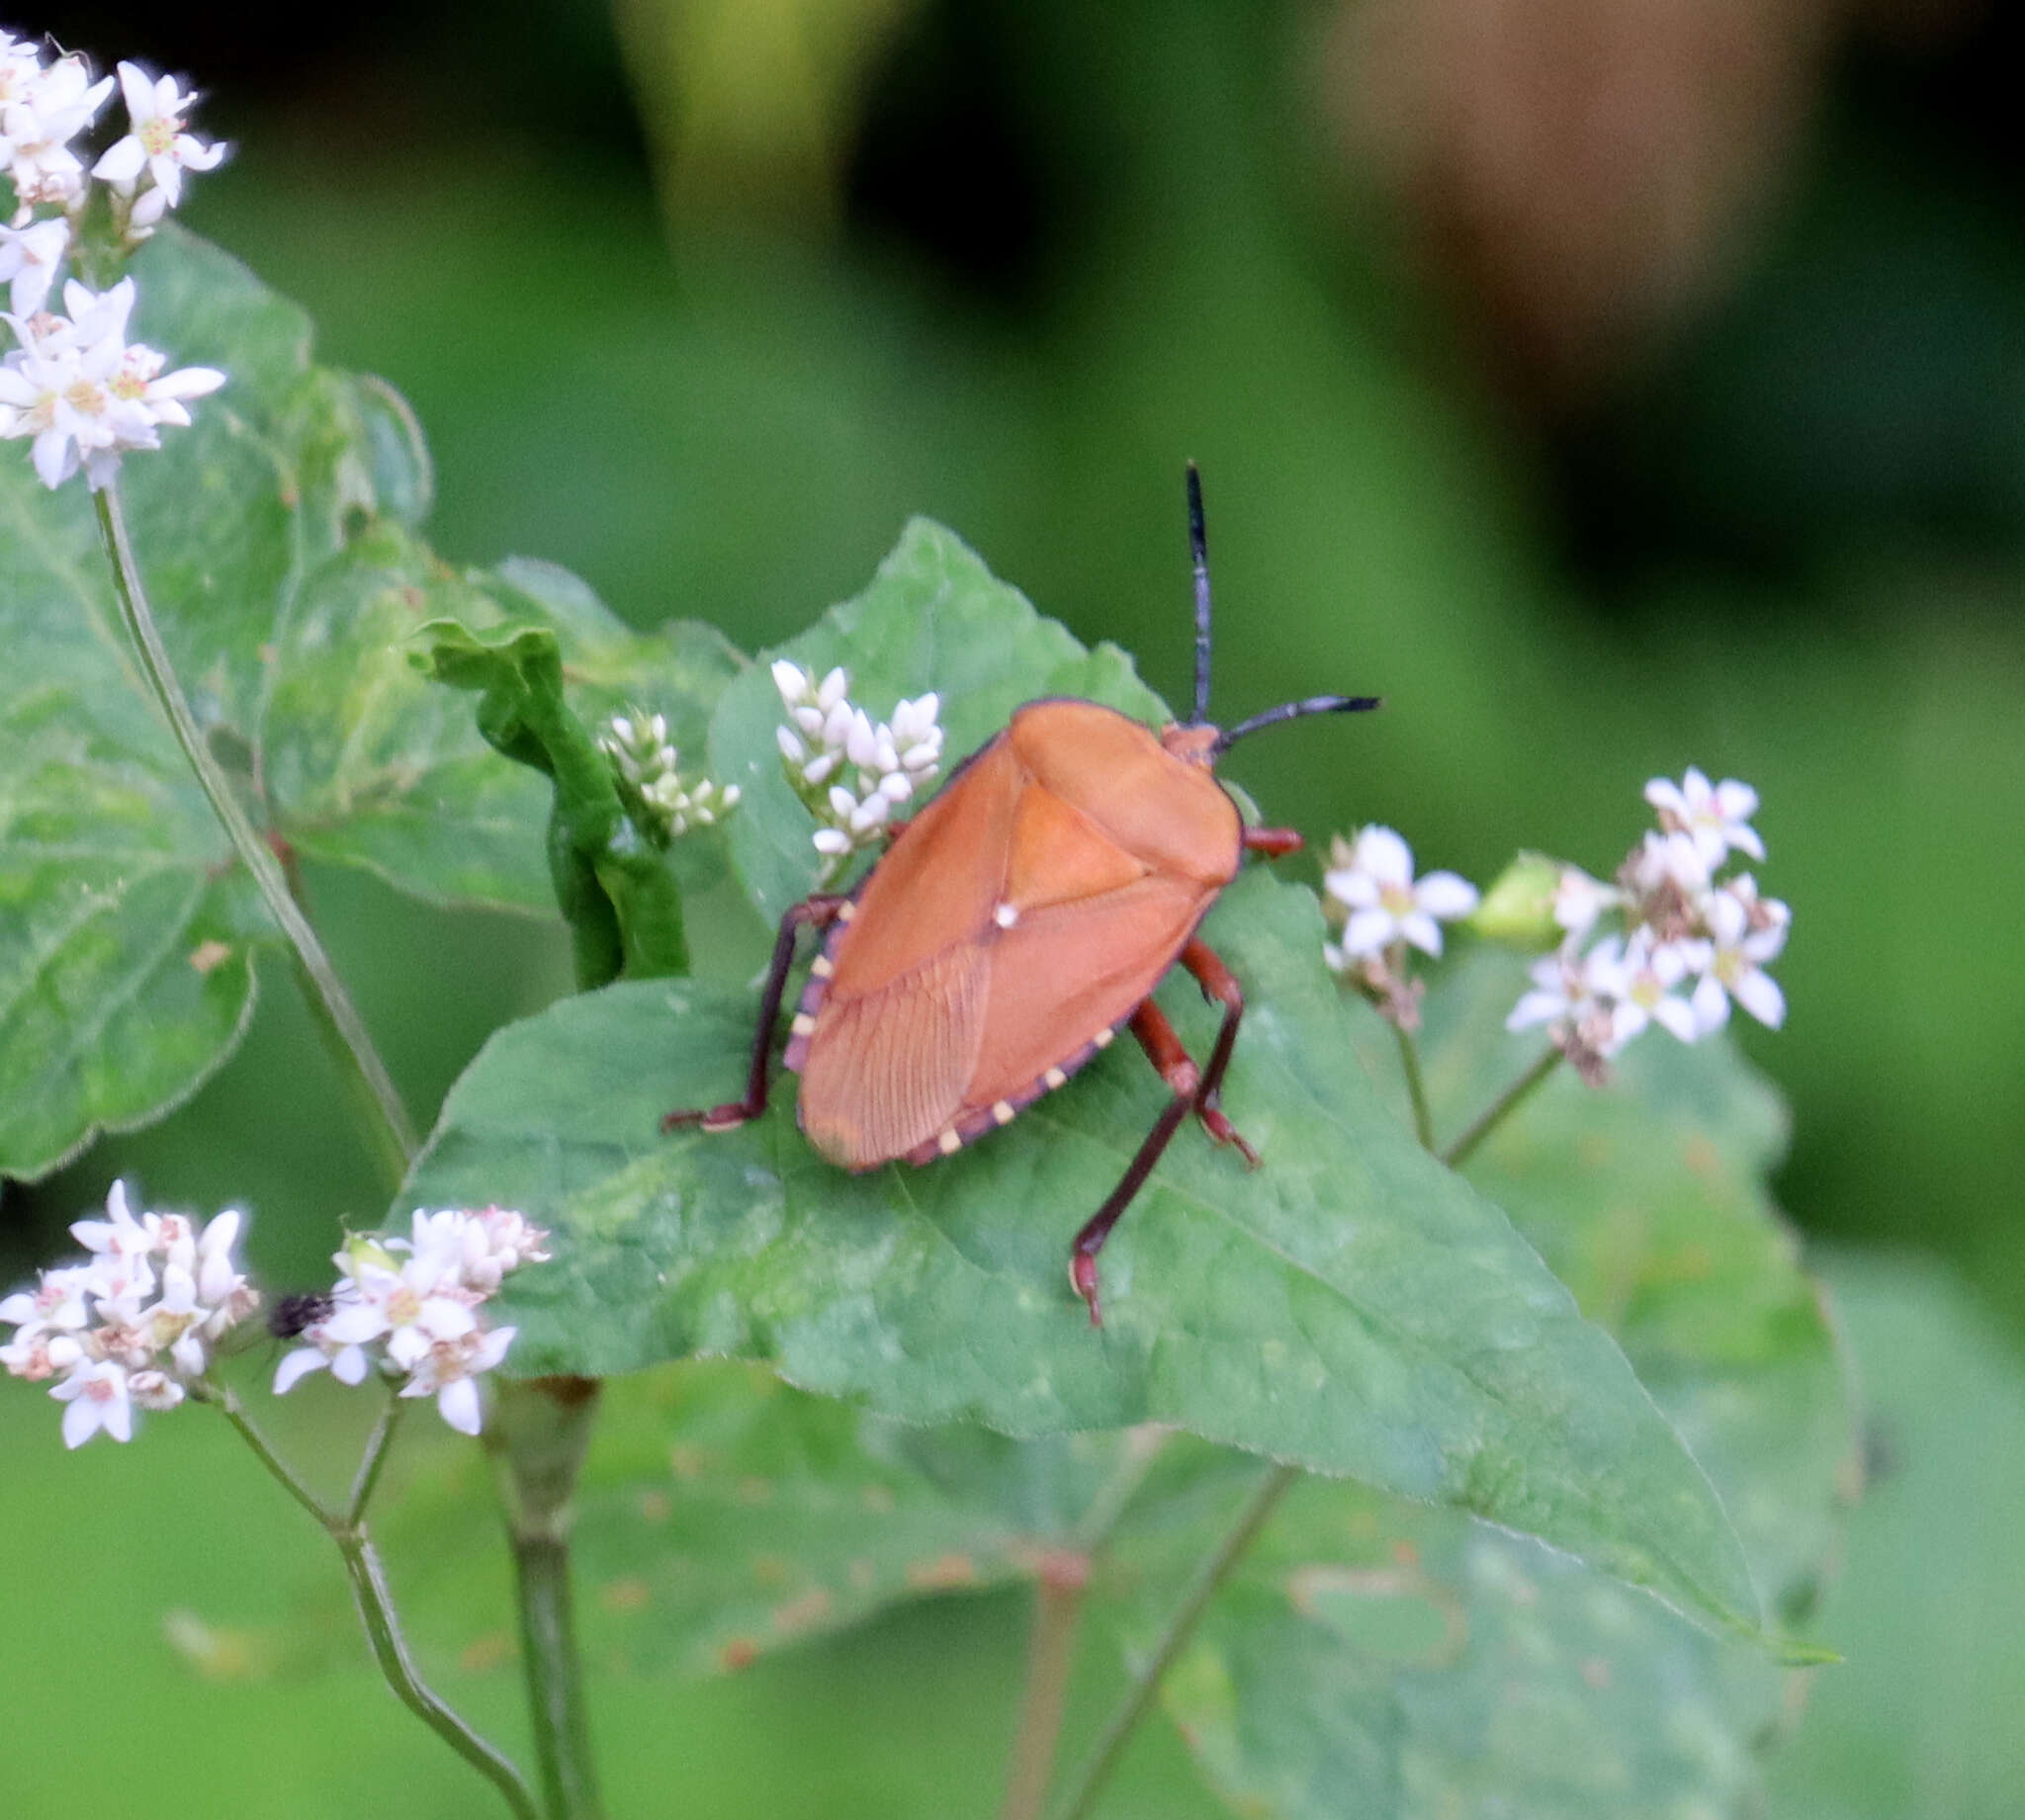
column 1759, row 994
column 295, row 1367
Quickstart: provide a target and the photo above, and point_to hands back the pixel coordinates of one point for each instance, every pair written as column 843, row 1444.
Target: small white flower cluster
column 74, row 383
column 1689, row 942
column 638, row 746
column 84, row 392
column 891, row 760
column 129, row 1327
column 1369, row 889
column 44, row 107
column 414, row 1301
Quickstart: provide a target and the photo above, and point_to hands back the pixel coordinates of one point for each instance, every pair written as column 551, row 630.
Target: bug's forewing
column 903, row 1015
column 1026, row 914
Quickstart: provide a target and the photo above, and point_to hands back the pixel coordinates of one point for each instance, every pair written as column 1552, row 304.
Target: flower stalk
column 375, row 1598
column 328, row 988
column 1493, row 1115
column 1211, row 1573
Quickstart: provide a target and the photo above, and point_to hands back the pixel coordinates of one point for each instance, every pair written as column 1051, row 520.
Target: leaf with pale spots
column 723, row 1516
column 275, row 540
column 1351, row 1305
column 1374, row 1657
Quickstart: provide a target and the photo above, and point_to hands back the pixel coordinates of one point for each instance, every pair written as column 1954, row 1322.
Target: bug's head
column 1197, row 739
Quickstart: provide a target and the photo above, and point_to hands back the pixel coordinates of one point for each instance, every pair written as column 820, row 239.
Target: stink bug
column 1014, row 928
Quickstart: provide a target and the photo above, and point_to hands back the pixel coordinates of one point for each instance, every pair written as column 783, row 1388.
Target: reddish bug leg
column 1164, row 1049
column 1273, row 842
column 812, row 913
column 1220, row 986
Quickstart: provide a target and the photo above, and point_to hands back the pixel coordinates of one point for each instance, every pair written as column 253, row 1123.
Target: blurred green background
column 1611, row 388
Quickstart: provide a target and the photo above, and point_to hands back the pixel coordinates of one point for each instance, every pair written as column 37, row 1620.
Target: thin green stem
column 258, row 858
column 1416, row 1086
column 386, row 1143
column 1210, row 1573
column 375, row 1598
column 1501, row 1108
column 1057, row 1618
column 1050, row 1655
column 390, row 1649
column 234, row 1412
column 374, row 1460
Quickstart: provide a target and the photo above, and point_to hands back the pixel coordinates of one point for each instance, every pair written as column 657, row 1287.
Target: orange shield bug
column 1013, row 927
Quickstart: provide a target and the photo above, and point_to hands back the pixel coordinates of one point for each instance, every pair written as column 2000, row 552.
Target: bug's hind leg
column 812, row 913
column 1219, row 986
column 1164, row 1049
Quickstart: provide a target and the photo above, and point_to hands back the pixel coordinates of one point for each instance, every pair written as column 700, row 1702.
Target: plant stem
column 234, row 1412
column 389, row 1150
column 1501, row 1108
column 1416, row 1086
column 376, row 1600
column 377, row 1444
column 1050, row 1654
column 259, row 860
column 554, row 1686
column 1211, row 1573
column 538, row 1437
column 390, row 1650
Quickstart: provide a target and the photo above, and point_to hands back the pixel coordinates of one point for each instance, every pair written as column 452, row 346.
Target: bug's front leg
column 1164, row 1049
column 816, row 911
column 1273, row 842
column 1220, row 986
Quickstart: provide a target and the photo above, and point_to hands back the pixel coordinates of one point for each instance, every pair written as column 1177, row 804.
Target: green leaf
column 1352, row 1304
column 1374, row 1659
column 272, row 538
column 723, row 1514
column 125, row 978
column 933, row 618
column 1930, row 1608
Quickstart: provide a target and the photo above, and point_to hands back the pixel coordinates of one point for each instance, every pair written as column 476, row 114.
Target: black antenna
column 1199, row 553
column 1293, row 711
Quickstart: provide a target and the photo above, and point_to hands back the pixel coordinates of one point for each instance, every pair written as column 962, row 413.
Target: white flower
column 1562, row 992
column 119, row 1235
column 412, row 1302
column 1715, row 817
column 449, row 1372
column 1746, row 931
column 44, row 112
column 29, row 259
column 824, row 732
column 1640, row 977
column 1663, row 863
column 96, row 1324
column 98, row 1399
column 156, row 140
column 84, row 395
column 639, row 749
column 1580, row 900
column 1373, row 879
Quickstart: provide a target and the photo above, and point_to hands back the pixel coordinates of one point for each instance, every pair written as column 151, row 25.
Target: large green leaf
column 1352, row 1304
column 272, row 539
column 1373, row 1659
